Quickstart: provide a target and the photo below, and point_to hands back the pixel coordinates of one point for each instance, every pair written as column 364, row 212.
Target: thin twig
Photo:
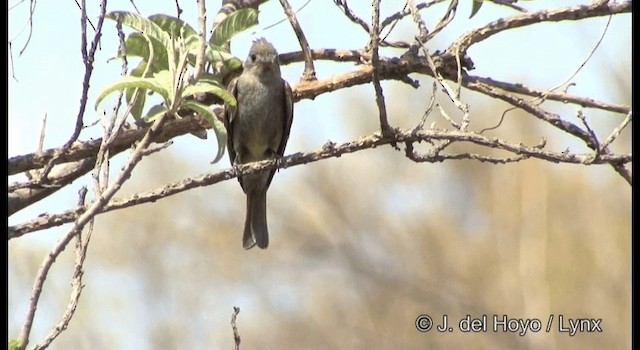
column 594, row 137
column 553, row 96
column 134, row 6
column 427, row 111
column 394, row 18
column 84, row 218
column 448, row 16
column 584, row 62
column 32, row 10
column 385, row 128
column 616, row 132
column 309, row 70
column 202, row 34
column 342, row 5
column 236, row 336
column 327, row 151
column 572, row 13
column 76, row 281
column 178, row 9
column 43, row 127
column 452, row 94
column 509, row 3
column 423, row 32
column 87, row 59
column 88, row 20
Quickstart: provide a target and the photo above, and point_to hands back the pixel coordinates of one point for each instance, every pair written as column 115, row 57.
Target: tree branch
column 572, row 13
column 330, row 150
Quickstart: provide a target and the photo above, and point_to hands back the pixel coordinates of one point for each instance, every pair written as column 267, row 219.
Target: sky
column 46, row 77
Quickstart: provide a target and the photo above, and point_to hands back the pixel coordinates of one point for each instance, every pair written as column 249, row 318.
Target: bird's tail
column 255, row 224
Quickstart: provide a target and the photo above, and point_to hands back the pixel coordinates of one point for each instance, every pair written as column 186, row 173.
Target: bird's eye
column 252, row 57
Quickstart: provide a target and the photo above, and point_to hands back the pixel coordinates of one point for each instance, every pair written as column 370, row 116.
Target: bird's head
column 262, row 58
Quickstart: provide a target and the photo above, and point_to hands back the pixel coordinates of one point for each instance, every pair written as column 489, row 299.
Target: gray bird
column 258, row 129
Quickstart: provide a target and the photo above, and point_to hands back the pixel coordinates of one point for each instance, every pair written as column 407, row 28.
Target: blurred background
column 361, row 245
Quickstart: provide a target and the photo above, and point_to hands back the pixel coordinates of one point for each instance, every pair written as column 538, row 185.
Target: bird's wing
column 287, row 121
column 288, row 117
column 229, row 118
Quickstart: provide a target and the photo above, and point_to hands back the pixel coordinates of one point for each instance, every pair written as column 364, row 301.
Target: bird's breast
column 260, row 116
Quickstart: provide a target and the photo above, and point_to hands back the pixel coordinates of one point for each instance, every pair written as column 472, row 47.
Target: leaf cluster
column 168, row 49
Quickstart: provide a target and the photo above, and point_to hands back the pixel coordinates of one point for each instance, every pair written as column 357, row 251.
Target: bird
column 258, row 128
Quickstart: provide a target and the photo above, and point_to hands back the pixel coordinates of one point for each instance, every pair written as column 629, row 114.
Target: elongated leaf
column 216, row 125
column 130, row 82
column 475, row 7
column 154, row 113
column 201, row 87
column 137, row 45
column 215, row 54
column 142, row 25
column 138, row 104
column 209, row 78
column 176, row 28
column 173, row 26
column 232, row 25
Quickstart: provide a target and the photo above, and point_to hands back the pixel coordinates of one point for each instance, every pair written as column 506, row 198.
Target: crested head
column 262, row 59
column 262, row 47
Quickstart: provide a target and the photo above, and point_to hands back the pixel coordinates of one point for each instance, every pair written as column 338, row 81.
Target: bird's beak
column 266, row 65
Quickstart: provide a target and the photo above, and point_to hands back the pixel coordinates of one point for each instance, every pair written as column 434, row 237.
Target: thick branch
column 552, row 96
column 572, row 13
column 89, row 149
column 58, row 178
column 389, row 68
column 327, row 151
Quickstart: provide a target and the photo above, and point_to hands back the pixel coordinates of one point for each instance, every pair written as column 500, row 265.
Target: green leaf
column 475, row 7
column 174, row 26
column 14, row 344
column 216, row 54
column 157, row 84
column 142, row 25
column 232, row 25
column 154, row 113
column 216, row 125
column 138, row 105
column 215, row 89
column 210, row 79
column 164, row 79
column 137, row 45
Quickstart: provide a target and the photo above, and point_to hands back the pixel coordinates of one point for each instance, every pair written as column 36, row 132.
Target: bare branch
column 427, row 111
column 59, row 177
column 80, row 223
column 405, row 12
column 236, row 336
column 342, row 5
column 202, row 33
column 32, row 10
column 584, row 62
column 554, row 96
column 329, row 150
column 445, row 20
column 616, row 132
column 309, row 70
column 385, row 128
column 178, row 9
column 572, row 13
column 81, row 150
column 87, row 58
column 76, row 282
